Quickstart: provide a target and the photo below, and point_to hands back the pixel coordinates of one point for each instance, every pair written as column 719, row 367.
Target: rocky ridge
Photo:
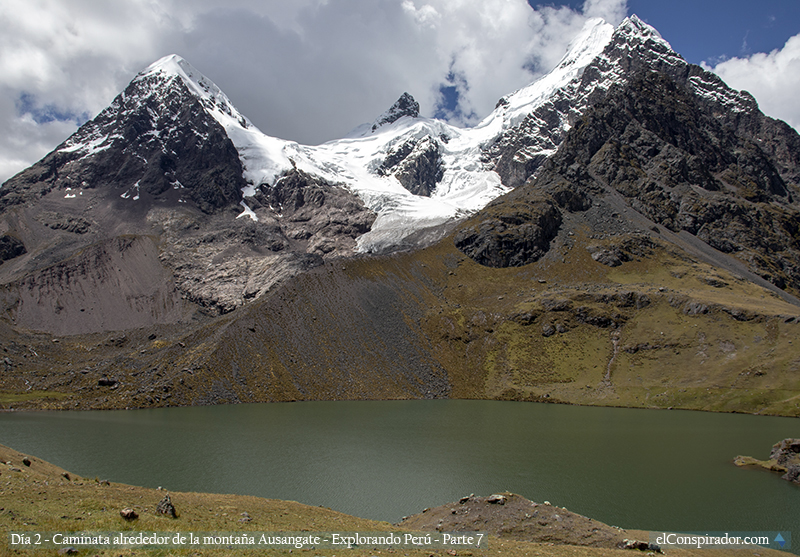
column 154, row 143
column 655, row 147
column 404, row 106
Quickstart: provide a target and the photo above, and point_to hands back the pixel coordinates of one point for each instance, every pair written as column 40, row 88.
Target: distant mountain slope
column 163, row 163
column 624, row 231
column 679, row 162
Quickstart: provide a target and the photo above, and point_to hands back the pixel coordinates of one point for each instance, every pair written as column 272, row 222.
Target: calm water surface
column 645, row 469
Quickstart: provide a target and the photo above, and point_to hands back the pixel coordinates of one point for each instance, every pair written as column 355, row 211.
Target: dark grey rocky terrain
column 661, row 153
column 155, row 171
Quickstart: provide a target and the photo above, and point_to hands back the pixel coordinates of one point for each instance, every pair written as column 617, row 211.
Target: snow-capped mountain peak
column 173, row 66
column 264, row 158
column 635, row 38
column 634, row 26
column 416, row 172
column 584, row 48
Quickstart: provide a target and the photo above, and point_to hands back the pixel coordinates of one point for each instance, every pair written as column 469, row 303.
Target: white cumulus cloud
column 773, row 79
column 613, row 11
column 307, row 70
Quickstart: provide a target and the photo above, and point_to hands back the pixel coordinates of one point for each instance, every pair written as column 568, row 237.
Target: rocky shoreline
column 784, row 459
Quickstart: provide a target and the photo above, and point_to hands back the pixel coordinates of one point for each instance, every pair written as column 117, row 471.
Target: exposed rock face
column 635, row 48
column 155, row 141
column 511, row 233
column 679, row 164
column 324, row 218
column 221, row 263
column 404, row 106
column 522, row 149
column 516, row 154
column 786, row 452
column 10, row 247
column 676, row 164
column 416, row 164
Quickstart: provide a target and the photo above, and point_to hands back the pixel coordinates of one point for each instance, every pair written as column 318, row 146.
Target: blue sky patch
column 448, row 106
column 27, row 103
column 448, row 102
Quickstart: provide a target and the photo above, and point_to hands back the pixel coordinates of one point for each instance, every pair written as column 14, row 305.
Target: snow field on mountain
column 468, row 181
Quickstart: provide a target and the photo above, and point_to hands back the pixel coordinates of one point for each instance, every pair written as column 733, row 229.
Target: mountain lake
column 633, row 468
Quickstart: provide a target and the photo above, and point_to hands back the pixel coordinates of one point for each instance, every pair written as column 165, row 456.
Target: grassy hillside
column 661, row 330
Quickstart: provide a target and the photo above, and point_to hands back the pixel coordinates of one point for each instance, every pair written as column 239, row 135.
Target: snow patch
column 132, row 193
column 733, row 100
column 247, row 212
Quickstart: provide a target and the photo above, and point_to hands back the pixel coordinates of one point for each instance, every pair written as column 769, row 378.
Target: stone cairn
column 166, row 507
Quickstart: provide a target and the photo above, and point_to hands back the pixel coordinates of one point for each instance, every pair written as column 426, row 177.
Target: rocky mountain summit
column 160, row 164
column 404, row 106
column 672, row 148
column 155, row 142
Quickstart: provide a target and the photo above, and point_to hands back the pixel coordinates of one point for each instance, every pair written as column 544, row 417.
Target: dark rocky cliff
column 155, row 141
column 676, row 162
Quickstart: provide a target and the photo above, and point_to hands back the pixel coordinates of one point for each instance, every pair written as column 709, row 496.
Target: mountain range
column 622, row 231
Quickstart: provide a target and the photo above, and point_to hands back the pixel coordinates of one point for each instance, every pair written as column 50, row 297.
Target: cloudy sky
column 311, row 70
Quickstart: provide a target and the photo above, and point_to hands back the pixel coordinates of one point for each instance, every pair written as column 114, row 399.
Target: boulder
column 10, row 247
column 129, row 514
column 792, row 474
column 607, row 257
column 513, row 231
column 785, row 451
